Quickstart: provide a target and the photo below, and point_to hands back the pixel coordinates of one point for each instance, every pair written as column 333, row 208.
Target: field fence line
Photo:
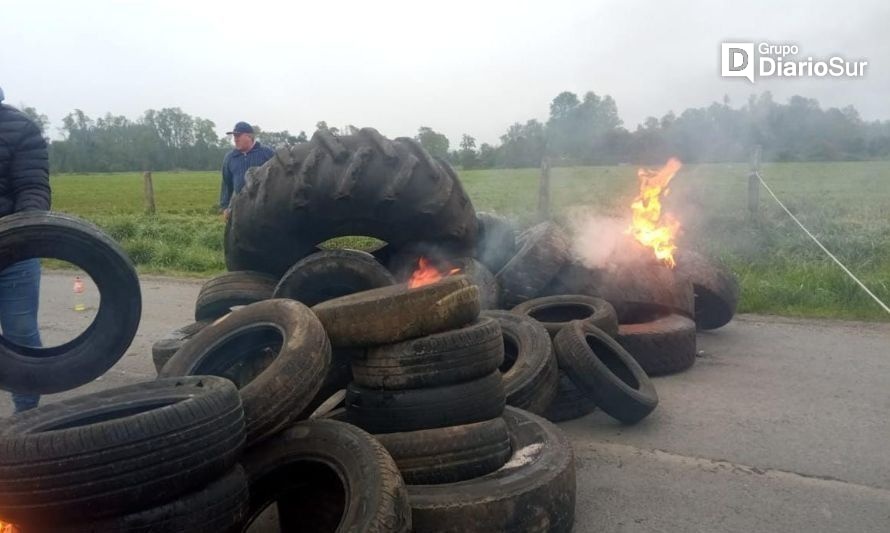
column 818, row 243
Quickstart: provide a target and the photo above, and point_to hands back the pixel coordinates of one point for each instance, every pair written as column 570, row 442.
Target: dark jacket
column 234, row 167
column 24, row 164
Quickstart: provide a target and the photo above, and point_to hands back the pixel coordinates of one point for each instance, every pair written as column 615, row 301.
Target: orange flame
column 647, row 227
column 426, row 274
column 6, row 527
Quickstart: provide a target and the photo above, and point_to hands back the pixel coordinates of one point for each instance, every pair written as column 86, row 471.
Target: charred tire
column 605, row 372
column 118, row 451
column 381, row 411
column 449, row 454
column 405, row 263
column 446, row 358
column 275, row 351
column 51, row 235
column 218, row 507
column 556, row 312
column 660, row 344
column 529, row 369
column 225, row 291
column 715, row 286
column 627, row 286
column 163, row 350
column 481, row 276
column 533, row 491
column 497, row 241
column 325, row 476
column 569, row 403
column 333, row 186
column 396, row 313
column 330, row 274
column 543, row 250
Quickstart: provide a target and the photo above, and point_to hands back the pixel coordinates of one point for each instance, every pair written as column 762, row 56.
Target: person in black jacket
column 24, row 186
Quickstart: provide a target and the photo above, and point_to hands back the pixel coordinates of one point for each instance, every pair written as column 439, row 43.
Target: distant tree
column 39, row 118
column 467, row 153
column 434, row 142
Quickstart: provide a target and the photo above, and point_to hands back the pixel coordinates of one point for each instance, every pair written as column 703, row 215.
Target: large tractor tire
column 363, row 184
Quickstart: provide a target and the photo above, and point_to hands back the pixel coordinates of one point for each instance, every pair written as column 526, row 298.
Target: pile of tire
column 427, row 384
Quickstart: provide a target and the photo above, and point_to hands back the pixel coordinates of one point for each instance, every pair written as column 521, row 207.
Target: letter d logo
column 737, row 60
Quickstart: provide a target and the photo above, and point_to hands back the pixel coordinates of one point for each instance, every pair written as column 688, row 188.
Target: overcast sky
column 458, row 67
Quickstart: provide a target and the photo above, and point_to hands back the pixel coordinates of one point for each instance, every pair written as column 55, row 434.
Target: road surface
column 781, row 425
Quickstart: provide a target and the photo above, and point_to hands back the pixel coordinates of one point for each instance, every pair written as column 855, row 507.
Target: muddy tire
column 330, row 274
column 715, row 287
column 405, row 263
column 381, row 411
column 661, row 344
column 327, row 476
column 52, row 235
column 163, row 349
column 543, row 251
column 333, row 186
column 223, row 292
column 117, row 451
column 533, row 491
column 529, row 368
column 605, row 372
column 275, row 351
column 446, row 358
column 396, row 313
column 556, row 312
column 569, row 403
column 449, row 454
column 218, row 507
column 497, row 241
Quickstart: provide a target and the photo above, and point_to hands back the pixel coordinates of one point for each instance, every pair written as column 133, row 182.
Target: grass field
column 846, row 204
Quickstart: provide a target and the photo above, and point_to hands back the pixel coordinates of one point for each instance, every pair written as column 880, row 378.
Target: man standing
column 247, row 153
column 24, row 186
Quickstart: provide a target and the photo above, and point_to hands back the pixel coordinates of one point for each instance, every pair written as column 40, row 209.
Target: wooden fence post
column 754, row 186
column 149, row 193
column 544, row 190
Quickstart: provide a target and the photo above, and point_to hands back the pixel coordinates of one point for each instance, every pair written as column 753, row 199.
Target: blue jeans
column 19, row 300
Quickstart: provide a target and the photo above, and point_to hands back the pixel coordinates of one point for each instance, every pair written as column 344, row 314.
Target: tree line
column 579, row 131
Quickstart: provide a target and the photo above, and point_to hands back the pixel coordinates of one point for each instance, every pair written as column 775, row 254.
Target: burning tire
column 383, row 411
column 449, row 454
column 410, row 262
column 529, row 368
column 220, row 294
column 275, row 351
column 556, row 312
column 605, row 372
column 446, row 358
column 661, row 344
column 716, row 289
column 627, row 286
column 326, row 476
column 569, row 403
column 533, row 491
column 544, row 249
column 82, row 359
column 163, row 349
column 118, row 451
column 333, row 186
column 330, row 274
column 219, row 507
column 497, row 241
column 396, row 313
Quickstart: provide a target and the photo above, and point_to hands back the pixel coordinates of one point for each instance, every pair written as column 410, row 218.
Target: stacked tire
column 157, row 456
column 428, row 386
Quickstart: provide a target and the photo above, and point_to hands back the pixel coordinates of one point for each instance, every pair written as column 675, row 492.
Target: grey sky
column 459, row 67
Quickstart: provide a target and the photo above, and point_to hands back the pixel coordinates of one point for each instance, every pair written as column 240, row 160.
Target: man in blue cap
column 247, row 153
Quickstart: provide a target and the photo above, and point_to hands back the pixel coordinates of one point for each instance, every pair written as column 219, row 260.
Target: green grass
column 781, row 271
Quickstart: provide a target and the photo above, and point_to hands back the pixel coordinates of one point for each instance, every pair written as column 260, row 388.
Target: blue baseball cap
column 241, row 127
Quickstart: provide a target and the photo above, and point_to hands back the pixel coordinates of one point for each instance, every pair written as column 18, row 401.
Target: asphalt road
column 781, row 425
